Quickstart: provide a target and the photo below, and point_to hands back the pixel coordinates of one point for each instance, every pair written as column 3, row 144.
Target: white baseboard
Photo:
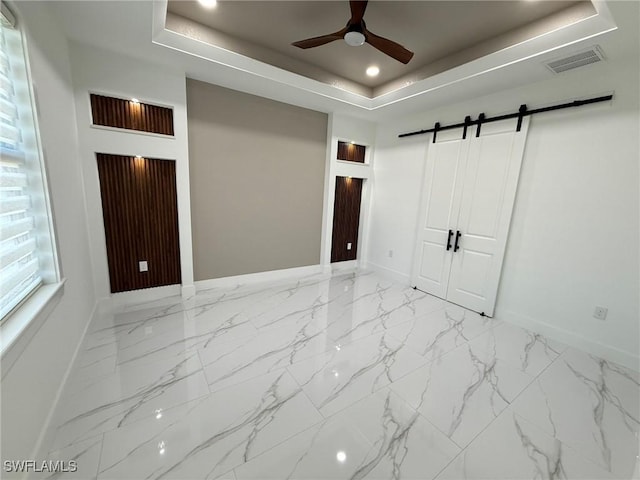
column 104, row 304
column 144, row 295
column 260, row 277
column 46, row 434
column 572, row 339
column 389, row 273
column 188, row 291
column 344, row 266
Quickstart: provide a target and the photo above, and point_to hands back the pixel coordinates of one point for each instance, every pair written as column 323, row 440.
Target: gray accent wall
column 256, row 170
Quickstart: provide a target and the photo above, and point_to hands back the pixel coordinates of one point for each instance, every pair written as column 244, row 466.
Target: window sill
column 17, row 331
column 358, row 164
column 135, row 132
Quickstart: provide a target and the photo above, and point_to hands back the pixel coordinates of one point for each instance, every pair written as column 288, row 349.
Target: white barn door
column 490, row 185
column 446, row 161
column 472, row 197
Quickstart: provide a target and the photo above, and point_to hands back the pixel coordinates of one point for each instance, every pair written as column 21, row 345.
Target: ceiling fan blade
column 358, row 8
column 393, row 49
column 321, row 40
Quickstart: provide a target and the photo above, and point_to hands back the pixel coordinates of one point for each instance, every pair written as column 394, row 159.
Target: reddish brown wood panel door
column 346, row 219
column 140, row 211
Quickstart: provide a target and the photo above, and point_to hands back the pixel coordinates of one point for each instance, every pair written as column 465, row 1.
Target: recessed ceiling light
column 208, row 3
column 135, row 100
column 373, row 71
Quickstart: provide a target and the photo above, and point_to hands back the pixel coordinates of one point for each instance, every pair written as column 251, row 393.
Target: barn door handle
column 458, row 235
column 449, row 240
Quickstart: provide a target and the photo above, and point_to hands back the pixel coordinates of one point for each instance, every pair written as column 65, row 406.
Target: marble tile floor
column 348, row 376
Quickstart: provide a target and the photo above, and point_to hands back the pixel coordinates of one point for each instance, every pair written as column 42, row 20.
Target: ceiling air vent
column 579, row 59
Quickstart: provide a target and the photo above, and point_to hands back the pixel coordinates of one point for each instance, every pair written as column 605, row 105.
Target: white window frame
column 19, row 326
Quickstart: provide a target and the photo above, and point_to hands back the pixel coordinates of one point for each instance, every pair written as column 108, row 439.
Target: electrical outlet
column 348, row 246
column 143, row 266
column 390, row 253
column 600, row 313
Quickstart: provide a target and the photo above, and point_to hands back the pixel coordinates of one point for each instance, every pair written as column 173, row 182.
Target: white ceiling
column 137, row 29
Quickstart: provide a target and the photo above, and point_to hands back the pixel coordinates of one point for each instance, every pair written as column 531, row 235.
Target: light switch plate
column 348, row 246
column 143, row 266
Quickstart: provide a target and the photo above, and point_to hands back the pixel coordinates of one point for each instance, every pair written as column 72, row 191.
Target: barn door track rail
column 520, row 114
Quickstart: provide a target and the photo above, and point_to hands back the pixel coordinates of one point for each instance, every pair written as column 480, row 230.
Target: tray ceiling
column 443, row 34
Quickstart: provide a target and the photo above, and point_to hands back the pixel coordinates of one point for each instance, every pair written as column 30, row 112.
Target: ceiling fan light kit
column 356, row 34
column 354, row 39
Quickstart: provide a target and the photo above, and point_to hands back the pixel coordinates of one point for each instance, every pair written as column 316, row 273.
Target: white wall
column 101, row 71
column 574, row 235
column 347, row 129
column 31, row 386
column 398, row 174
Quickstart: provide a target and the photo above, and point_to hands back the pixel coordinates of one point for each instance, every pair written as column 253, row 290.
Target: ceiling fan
column 356, row 33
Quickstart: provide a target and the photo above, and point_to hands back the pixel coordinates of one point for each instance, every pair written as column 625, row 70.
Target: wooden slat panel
column 139, row 204
column 346, row 219
column 119, row 113
column 351, row 152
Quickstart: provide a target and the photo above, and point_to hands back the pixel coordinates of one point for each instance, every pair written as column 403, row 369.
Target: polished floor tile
column 111, row 402
column 346, row 374
column 208, row 437
column 349, row 376
column 379, row 437
column 524, row 350
column 463, row 391
column 377, row 308
column 236, row 361
column 334, row 447
column 85, row 454
column 591, row 405
column 439, row 332
column 513, row 449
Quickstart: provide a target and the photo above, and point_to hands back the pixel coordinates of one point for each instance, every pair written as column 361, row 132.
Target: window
column 27, row 256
